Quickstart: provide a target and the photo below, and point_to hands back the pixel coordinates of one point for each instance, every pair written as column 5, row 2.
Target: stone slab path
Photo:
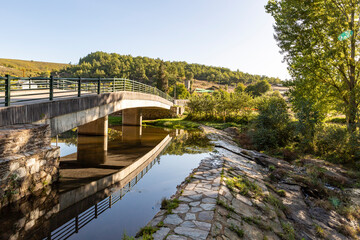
column 192, row 219
column 229, row 196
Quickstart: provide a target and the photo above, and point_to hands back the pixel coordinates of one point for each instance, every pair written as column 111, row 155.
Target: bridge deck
column 38, row 96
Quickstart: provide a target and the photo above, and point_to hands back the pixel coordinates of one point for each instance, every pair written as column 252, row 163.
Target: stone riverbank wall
column 28, row 162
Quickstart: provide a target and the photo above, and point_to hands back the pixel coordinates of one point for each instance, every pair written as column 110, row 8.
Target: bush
column 334, row 143
column 273, row 128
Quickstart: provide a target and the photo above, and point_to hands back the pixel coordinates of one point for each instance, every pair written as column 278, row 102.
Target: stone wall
column 27, row 161
column 30, row 216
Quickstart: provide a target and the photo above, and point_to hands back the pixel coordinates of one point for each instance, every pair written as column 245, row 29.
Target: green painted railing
column 18, row 89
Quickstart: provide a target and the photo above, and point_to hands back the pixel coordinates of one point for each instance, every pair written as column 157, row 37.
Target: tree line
column 146, row 70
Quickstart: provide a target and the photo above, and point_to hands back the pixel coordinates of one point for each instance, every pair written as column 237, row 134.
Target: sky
column 237, row 34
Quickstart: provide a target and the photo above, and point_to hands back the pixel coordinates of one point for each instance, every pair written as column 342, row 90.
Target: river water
column 108, row 185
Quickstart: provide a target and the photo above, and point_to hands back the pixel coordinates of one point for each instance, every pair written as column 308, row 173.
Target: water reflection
column 92, row 150
column 101, row 197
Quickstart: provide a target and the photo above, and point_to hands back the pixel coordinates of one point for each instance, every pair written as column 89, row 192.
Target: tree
column 189, row 76
column 272, row 128
column 162, row 79
column 240, row 88
column 259, row 88
column 181, row 91
column 307, row 33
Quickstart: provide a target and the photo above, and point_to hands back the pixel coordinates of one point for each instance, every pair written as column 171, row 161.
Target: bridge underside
column 91, row 111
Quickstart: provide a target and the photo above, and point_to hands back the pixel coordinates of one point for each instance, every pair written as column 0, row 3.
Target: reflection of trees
column 68, row 137
column 114, row 134
column 190, row 142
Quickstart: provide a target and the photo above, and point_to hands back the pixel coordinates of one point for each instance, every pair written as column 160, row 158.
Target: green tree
column 240, row 88
column 259, row 88
column 181, row 91
column 189, row 76
column 162, row 79
column 307, row 33
column 272, row 128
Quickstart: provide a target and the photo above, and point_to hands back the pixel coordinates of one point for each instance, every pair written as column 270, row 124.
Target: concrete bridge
column 30, row 116
column 92, row 100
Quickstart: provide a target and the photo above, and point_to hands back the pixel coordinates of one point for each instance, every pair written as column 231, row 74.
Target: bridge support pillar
column 98, row 127
column 132, row 117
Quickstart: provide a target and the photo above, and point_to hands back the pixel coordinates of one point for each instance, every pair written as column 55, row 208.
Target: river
column 108, row 185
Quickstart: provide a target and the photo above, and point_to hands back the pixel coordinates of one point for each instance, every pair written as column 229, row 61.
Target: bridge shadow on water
column 96, row 177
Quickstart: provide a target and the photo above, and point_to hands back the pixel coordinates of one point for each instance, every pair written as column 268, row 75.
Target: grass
column 289, row 232
column 226, row 206
column 320, row 231
column 160, row 224
column 169, row 204
column 182, row 123
column 257, row 221
column 271, row 199
column 15, row 67
column 146, row 232
column 245, row 186
column 281, row 192
column 115, row 120
column 237, row 230
column 173, row 123
column 189, row 178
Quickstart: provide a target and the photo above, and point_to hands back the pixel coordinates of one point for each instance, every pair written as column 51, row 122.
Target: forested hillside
column 20, row 68
column 145, row 69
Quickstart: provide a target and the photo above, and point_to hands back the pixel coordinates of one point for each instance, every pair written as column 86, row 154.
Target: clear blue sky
column 237, row 34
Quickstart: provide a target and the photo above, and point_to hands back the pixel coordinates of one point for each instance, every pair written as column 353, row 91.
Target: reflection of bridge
column 80, row 206
column 71, row 102
column 73, row 208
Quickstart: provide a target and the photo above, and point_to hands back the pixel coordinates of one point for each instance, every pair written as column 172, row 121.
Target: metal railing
column 75, row 224
column 18, row 89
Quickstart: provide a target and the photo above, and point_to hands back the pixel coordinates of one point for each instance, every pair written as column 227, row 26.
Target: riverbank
column 182, row 123
column 241, row 194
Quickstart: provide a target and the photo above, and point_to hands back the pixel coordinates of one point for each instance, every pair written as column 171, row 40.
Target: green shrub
column 334, row 143
column 273, row 128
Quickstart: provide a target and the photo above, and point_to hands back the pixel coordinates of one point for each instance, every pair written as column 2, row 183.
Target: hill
column 20, row 68
column 145, row 69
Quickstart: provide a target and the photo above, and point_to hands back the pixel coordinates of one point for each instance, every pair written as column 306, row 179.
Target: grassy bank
column 182, row 123
column 115, row 120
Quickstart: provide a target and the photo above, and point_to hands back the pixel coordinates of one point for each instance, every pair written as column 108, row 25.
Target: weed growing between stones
column 126, row 237
column 13, row 185
column 271, row 199
column 320, row 231
column 189, row 178
column 223, row 204
column 160, row 224
column 244, row 186
column 146, row 232
column 169, row 204
column 257, row 221
column 237, row 230
column 281, row 192
column 289, row 232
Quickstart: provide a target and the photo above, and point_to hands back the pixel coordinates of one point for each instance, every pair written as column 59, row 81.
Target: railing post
column 79, row 87
column 77, row 224
column 99, row 86
column 132, row 81
column 7, row 90
column 51, row 97
column 114, row 85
